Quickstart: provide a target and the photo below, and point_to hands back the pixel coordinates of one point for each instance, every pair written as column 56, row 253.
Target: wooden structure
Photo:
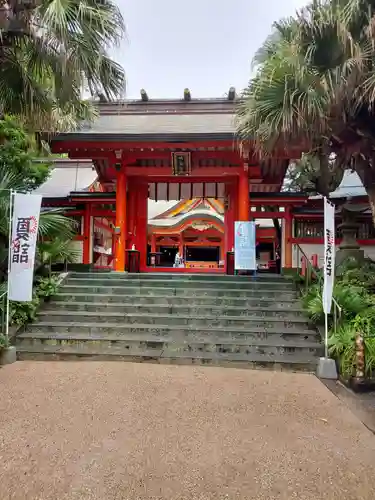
column 174, row 151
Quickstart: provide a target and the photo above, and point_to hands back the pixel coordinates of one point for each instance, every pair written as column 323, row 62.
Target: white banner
column 329, row 254
column 25, row 223
column 244, row 246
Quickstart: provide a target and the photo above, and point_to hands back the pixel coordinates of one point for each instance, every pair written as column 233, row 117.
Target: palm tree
column 315, row 88
column 50, row 51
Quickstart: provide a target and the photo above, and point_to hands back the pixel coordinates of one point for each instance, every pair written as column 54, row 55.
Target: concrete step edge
column 261, row 358
column 172, row 340
column 171, row 297
column 248, row 292
column 249, row 281
column 177, row 306
column 122, row 326
column 256, row 285
column 110, row 314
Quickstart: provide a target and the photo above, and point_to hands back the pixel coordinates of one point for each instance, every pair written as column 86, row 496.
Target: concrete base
column 327, row 369
column 8, row 355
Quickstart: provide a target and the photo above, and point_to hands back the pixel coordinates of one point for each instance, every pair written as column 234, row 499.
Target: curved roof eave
column 185, row 217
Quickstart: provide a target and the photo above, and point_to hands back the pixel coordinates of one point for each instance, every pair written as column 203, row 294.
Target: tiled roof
column 139, row 124
column 351, row 185
column 67, row 176
column 199, row 213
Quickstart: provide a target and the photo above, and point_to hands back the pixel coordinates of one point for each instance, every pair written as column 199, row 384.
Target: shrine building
column 155, row 177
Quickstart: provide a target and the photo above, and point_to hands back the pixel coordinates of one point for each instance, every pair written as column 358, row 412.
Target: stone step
column 306, row 362
column 169, row 319
column 120, row 329
column 170, row 308
column 196, row 300
column 181, row 292
column 264, row 277
column 183, row 283
column 136, row 343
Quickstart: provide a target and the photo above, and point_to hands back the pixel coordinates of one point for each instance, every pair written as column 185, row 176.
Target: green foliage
column 358, row 274
column 353, row 292
column 351, row 299
column 341, row 346
column 314, row 86
column 52, row 224
column 4, row 342
column 50, row 52
column 17, row 155
column 25, row 312
column 313, row 175
column 47, row 287
column 57, row 250
column 21, row 313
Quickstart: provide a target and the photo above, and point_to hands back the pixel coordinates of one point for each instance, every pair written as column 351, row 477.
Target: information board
column 244, row 246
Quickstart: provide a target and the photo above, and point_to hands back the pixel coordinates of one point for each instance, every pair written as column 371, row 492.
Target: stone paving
column 122, row 431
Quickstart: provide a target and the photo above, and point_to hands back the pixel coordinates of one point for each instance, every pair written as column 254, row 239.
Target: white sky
column 205, row 45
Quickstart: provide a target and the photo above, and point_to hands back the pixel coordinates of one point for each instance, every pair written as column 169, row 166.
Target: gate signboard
column 244, row 246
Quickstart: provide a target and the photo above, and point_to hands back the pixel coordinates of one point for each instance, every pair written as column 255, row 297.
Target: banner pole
column 326, row 335
column 10, row 231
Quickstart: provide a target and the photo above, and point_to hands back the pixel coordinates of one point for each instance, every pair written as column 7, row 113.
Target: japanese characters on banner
column 25, row 223
column 244, row 246
column 329, row 254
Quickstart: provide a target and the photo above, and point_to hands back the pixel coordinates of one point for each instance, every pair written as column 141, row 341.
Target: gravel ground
column 106, row 431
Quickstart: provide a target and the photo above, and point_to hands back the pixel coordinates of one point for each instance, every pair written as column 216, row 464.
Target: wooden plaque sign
column 181, row 163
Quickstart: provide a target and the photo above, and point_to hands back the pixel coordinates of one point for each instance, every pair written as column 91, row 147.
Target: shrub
column 21, row 313
column 4, row 342
column 351, row 299
column 342, row 343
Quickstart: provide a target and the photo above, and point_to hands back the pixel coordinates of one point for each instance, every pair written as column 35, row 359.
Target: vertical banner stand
column 10, row 230
column 327, row 366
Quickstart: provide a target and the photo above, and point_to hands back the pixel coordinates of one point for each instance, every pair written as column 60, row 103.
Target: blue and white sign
column 244, row 246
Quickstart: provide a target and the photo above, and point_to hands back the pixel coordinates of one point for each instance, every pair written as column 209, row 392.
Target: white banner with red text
column 25, row 221
column 329, row 255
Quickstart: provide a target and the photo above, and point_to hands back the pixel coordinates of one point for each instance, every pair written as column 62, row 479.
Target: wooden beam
column 133, row 156
column 267, row 215
column 197, row 173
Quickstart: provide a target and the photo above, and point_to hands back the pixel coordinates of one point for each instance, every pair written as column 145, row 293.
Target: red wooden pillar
column 230, row 217
column 87, row 234
column 142, row 226
column 131, row 219
column 243, row 196
column 120, row 220
column 288, row 260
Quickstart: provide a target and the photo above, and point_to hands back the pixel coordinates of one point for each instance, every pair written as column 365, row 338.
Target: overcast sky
column 205, row 45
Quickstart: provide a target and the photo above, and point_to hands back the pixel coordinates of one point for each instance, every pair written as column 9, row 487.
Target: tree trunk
column 329, row 176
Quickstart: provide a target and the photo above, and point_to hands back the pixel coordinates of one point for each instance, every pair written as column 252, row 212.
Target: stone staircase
column 207, row 319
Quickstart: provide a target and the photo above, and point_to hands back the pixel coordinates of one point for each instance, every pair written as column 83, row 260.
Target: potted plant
column 7, row 352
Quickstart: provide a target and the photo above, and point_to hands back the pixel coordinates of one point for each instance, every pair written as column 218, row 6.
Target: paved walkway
column 121, row 431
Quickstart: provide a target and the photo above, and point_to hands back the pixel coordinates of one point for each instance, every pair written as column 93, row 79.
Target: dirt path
column 106, row 431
